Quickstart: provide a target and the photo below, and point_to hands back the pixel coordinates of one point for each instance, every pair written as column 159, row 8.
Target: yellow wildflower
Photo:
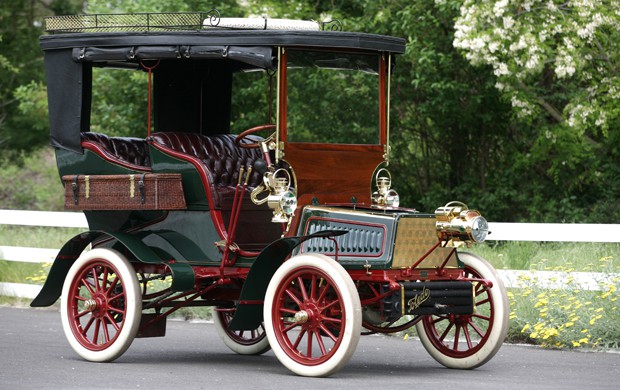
column 550, row 332
column 541, row 302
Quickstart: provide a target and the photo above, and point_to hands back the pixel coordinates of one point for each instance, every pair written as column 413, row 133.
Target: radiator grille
column 361, row 240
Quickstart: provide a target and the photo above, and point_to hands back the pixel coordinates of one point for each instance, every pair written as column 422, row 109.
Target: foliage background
column 495, row 127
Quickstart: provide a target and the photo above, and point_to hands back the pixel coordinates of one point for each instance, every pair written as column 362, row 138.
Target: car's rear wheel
column 243, row 342
column 312, row 315
column 101, row 305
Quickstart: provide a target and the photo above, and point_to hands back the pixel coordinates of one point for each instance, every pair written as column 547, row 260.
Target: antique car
column 258, row 186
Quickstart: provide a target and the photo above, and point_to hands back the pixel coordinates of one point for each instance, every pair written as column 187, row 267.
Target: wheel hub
column 301, row 317
column 90, row 305
column 96, row 305
column 309, row 316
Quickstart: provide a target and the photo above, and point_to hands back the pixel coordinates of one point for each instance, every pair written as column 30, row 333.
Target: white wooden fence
column 500, row 231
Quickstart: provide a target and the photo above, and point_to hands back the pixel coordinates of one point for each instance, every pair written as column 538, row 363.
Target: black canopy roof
column 69, row 58
column 223, row 37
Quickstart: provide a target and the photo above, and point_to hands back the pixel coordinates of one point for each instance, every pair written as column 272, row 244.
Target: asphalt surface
column 34, row 354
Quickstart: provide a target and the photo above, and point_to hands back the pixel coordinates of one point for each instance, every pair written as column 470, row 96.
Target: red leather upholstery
column 221, row 158
column 218, row 159
column 131, row 153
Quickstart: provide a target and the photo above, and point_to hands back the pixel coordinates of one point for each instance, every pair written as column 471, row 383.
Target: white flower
column 501, row 70
column 500, row 7
column 532, row 62
column 477, row 44
column 551, row 6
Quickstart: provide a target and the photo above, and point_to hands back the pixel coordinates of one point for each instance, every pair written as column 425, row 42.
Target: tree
column 23, row 107
column 556, row 62
column 517, row 122
column 447, row 120
column 535, row 45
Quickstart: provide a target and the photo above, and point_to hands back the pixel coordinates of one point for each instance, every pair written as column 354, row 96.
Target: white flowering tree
column 541, row 48
column 557, row 63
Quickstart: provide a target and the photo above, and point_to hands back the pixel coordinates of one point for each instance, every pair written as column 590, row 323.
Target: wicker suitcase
column 149, row 191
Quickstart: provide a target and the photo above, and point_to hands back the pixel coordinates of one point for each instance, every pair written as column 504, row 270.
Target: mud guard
column 64, row 260
column 249, row 313
column 183, row 274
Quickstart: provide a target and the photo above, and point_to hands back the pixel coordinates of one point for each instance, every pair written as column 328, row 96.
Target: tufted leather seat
column 221, row 158
column 132, row 153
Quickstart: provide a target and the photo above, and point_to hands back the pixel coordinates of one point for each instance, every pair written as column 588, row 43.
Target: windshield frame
column 282, row 106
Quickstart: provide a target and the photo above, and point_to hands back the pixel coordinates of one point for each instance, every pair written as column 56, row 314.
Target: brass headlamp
column 281, row 199
column 384, row 197
column 457, row 224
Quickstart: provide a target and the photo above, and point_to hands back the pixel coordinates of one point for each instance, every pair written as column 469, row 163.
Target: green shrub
column 31, row 182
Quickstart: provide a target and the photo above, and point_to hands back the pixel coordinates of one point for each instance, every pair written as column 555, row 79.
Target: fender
column 182, row 273
column 249, row 313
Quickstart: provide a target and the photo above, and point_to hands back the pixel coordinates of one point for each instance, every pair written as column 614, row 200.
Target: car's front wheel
column 312, row 315
column 470, row 340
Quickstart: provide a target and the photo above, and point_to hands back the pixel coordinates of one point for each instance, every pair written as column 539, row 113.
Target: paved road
column 35, row 355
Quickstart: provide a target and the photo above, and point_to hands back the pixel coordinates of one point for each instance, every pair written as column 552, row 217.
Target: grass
column 519, row 255
column 36, row 236
column 563, row 317
column 14, row 272
column 14, row 301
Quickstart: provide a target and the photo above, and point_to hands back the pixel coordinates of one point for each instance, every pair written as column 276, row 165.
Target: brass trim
column 340, row 210
column 414, row 237
column 132, row 186
column 87, row 186
column 301, row 317
column 402, row 300
column 387, row 114
column 90, row 305
column 278, row 98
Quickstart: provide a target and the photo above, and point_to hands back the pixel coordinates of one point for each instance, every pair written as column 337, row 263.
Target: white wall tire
column 472, row 340
column 101, row 305
column 246, row 342
column 312, row 315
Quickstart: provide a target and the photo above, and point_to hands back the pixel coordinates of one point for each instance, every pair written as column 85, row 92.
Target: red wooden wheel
column 469, row 341
column 243, row 342
column 312, row 315
column 101, row 305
